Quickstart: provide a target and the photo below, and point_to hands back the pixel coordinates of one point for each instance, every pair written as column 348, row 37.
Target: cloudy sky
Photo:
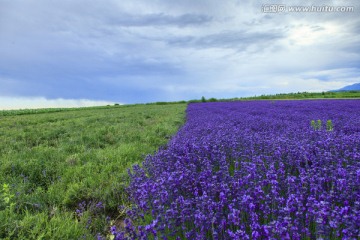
column 88, row 52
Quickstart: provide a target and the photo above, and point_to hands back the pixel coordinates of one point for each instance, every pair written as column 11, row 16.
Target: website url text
column 279, row 8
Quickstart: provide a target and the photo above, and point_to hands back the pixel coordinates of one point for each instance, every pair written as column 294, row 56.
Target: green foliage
column 329, row 125
column 316, row 125
column 59, row 225
column 7, row 208
column 6, row 197
column 56, row 160
column 304, row 95
column 45, row 110
column 165, row 103
column 203, row 99
column 313, row 124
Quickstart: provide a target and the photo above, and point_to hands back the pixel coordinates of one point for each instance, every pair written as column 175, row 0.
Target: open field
column 63, row 173
column 253, row 170
column 281, row 96
column 235, row 170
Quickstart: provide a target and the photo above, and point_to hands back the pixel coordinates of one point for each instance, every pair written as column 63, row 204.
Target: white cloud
column 10, row 103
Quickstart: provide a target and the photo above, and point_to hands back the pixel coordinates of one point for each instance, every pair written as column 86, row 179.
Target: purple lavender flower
column 100, row 205
column 241, row 170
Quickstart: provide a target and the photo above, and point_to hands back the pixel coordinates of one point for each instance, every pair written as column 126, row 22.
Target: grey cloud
column 331, row 74
column 236, row 40
column 353, row 49
column 159, row 19
column 356, row 27
column 317, row 28
column 258, row 20
column 79, row 76
column 352, row 44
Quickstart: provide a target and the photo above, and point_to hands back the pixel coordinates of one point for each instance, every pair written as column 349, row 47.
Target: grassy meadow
column 64, row 173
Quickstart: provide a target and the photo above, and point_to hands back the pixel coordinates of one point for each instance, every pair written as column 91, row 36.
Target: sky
column 98, row 52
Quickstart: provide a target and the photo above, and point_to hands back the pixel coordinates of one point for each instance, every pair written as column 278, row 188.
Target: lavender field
column 253, row 170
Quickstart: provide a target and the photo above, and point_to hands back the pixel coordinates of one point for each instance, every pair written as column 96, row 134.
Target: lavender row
column 253, row 170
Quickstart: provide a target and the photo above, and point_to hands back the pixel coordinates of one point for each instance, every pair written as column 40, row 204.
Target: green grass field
column 52, row 161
